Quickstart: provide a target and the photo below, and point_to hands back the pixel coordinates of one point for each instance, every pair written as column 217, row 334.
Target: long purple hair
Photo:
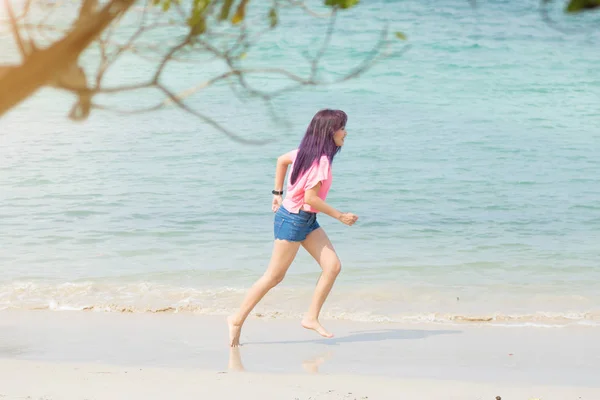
column 318, row 140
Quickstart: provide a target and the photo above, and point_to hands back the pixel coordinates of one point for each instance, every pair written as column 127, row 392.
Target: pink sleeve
column 292, row 154
column 317, row 173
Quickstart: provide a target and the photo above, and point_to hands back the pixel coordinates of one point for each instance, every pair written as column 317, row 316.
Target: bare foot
column 234, row 332
column 316, row 326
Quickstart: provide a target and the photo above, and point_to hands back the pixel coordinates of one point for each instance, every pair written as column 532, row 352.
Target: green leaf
column 273, row 17
column 199, row 28
column 576, row 6
column 225, row 10
column 240, row 13
column 166, row 5
column 400, row 35
column 341, row 3
column 197, row 22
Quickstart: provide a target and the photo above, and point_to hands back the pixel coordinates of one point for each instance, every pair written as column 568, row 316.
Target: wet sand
column 76, row 355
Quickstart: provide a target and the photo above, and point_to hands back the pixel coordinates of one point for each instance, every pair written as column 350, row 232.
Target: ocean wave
column 371, row 305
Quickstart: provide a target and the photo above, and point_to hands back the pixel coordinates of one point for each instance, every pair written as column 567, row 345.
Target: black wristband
column 277, row 193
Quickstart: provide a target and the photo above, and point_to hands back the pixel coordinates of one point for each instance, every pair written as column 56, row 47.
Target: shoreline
column 285, row 304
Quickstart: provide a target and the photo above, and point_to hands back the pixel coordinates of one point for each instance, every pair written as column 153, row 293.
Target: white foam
column 366, row 305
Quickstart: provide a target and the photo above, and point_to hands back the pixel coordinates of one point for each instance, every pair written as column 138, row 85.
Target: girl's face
column 339, row 136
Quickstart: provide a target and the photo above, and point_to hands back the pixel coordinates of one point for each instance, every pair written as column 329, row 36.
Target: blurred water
column 472, row 162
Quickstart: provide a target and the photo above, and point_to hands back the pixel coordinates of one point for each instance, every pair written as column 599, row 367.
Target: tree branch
column 57, row 65
column 42, row 67
column 128, row 112
column 545, row 16
column 15, row 29
column 328, row 35
column 209, row 120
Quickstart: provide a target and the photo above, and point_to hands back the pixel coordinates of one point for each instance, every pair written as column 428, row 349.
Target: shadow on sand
column 368, row 336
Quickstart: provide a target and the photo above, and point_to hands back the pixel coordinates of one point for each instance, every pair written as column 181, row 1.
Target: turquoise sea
column 473, row 162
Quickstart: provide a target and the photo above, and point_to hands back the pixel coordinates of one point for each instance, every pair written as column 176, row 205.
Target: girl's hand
column 348, row 218
column 277, row 200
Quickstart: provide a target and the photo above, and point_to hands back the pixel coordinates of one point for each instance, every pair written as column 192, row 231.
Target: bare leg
column 318, row 245
column 283, row 254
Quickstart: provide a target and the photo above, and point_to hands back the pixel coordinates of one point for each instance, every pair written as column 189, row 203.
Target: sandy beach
column 35, row 380
column 79, row 355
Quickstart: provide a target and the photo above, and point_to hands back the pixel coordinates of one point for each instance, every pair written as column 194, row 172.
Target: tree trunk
column 43, row 66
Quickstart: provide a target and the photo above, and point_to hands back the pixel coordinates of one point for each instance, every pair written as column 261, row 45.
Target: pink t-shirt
column 318, row 172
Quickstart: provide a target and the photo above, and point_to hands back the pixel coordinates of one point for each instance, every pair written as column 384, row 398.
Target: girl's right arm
column 283, row 161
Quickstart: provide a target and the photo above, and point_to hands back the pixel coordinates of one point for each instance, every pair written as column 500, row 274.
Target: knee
column 334, row 268
column 274, row 279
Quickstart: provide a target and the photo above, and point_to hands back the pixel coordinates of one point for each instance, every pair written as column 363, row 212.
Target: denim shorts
column 294, row 227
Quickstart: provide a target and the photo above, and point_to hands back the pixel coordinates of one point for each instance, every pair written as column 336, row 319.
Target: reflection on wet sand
column 310, row 365
column 235, row 359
